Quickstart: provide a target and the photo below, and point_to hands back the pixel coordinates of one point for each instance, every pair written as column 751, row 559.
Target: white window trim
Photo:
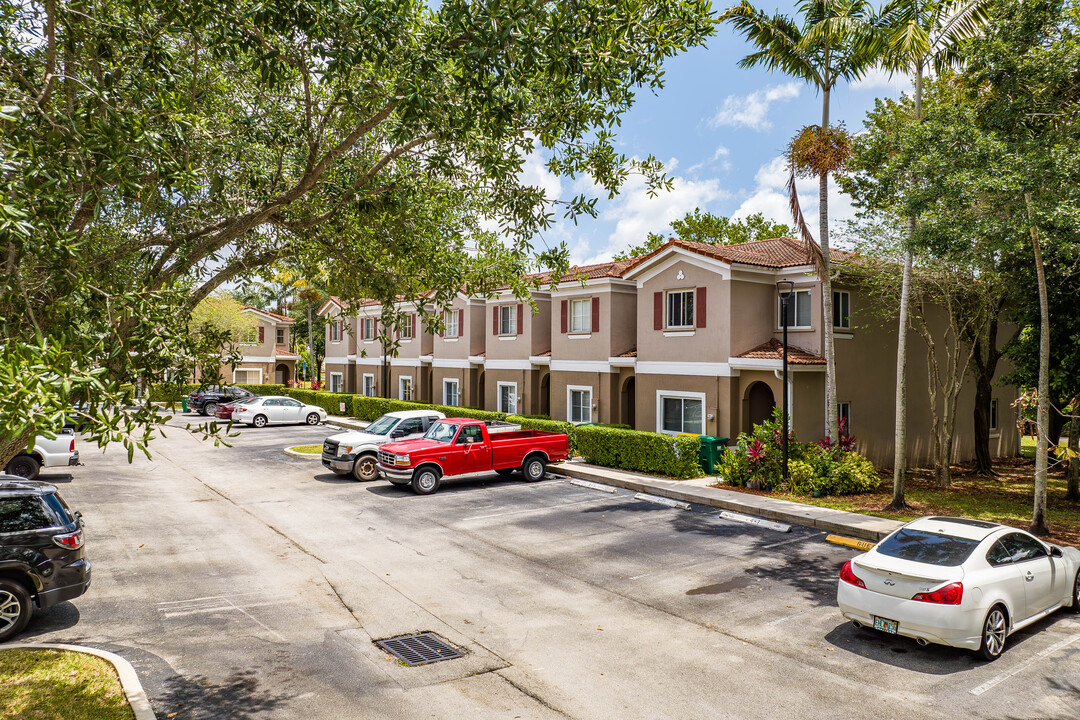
column 794, row 299
column 661, row 394
column 457, row 391
column 693, row 309
column 569, row 408
column 498, row 397
column 838, row 405
column 446, row 324
column 247, row 370
column 513, row 321
column 284, row 336
column 401, row 387
column 995, row 430
column 363, row 387
column 586, row 320
column 339, row 376
column 363, row 333
column 842, row 327
column 341, row 333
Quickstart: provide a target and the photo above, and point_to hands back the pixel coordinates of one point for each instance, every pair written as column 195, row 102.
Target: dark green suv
column 42, row 559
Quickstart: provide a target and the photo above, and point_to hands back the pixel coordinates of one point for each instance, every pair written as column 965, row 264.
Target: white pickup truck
column 356, row 452
column 58, row 452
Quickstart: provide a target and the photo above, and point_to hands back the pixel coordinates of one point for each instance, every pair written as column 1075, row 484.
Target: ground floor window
column 369, row 384
column 681, row 413
column 843, row 416
column 405, row 388
column 336, row 382
column 450, row 393
column 994, row 415
column 508, row 398
column 247, row 377
column 579, row 404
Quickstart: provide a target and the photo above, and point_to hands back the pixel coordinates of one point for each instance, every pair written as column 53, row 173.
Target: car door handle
column 1028, row 576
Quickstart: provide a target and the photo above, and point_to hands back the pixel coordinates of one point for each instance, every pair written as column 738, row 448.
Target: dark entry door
column 761, row 403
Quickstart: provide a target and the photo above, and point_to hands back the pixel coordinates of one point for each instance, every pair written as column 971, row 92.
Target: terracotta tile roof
column 280, row 351
column 274, row 315
column 631, row 353
column 483, row 354
column 774, row 252
column 545, row 354
column 613, row 269
column 774, row 350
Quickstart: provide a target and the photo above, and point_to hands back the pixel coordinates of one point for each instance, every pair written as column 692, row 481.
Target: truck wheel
column 425, row 481
column 25, row 466
column 15, row 608
column 365, row 468
column 534, row 468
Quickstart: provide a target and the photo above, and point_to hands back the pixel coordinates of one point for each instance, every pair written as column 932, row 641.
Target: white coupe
column 272, row 409
column 958, row 582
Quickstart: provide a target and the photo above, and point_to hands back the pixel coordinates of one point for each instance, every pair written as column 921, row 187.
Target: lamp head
column 784, row 288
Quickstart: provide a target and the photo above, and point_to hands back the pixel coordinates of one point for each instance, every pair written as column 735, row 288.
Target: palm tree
column 833, row 43
column 918, row 35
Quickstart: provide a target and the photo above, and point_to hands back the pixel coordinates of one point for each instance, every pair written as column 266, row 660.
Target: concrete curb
column 303, row 456
column 698, row 490
column 346, row 423
column 129, row 679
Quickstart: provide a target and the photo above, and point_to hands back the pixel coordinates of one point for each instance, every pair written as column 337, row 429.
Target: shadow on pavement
column 59, row 617
column 239, row 696
column 334, row 479
column 54, row 478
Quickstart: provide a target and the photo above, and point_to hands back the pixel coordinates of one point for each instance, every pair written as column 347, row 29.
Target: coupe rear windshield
column 927, row 547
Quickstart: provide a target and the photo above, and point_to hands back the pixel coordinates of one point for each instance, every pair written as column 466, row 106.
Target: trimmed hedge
column 174, row 393
column 531, row 423
column 648, row 452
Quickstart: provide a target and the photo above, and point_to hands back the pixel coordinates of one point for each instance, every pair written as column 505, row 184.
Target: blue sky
column 720, row 132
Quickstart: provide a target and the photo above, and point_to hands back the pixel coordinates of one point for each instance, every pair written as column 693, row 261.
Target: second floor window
column 281, row 336
column 450, row 322
column 335, row 331
column 250, row 336
column 680, row 309
column 798, row 311
column 581, row 315
column 407, row 327
column 367, row 328
column 841, row 309
column 507, row 320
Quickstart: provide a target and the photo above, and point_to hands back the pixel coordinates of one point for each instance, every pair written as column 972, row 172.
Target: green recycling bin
column 709, row 454
column 183, row 404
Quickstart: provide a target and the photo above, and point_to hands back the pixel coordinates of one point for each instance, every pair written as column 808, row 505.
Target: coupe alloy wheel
column 995, row 628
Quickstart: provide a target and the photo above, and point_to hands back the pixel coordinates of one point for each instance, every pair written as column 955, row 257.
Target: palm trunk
column 310, row 345
column 1039, row 525
column 831, row 426
column 1072, row 490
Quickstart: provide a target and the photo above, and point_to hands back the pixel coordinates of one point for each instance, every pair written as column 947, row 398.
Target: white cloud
column 878, row 79
column 770, row 198
column 751, row 110
column 721, row 152
column 534, row 173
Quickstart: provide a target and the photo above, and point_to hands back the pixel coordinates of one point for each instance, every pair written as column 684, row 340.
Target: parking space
column 572, row 602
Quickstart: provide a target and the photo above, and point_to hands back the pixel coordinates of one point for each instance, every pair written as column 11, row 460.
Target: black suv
column 206, row 401
column 42, row 560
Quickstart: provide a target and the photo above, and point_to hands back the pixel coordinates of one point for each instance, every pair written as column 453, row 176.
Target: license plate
column 885, row 625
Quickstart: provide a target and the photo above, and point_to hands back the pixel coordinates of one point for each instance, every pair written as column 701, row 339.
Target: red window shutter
column 414, row 331
column 564, row 310
column 521, row 320
column 460, row 323
column 595, row 327
column 700, row 310
column 658, row 311
column 262, row 333
column 495, row 320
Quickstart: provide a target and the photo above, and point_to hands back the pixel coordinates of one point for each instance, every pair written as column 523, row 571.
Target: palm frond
column 800, row 224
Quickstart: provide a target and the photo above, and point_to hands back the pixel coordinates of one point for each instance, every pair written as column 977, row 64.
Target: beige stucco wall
column 527, row 401
column 617, row 327
column 708, row 344
column 535, row 337
column 604, row 386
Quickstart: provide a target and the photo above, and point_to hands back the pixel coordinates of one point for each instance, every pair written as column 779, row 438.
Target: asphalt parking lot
column 242, row 583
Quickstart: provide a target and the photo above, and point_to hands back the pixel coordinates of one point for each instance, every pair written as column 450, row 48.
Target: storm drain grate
column 419, row 649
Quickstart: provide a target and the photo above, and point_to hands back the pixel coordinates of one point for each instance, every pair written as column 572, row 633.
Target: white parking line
column 534, row 510
column 1024, row 665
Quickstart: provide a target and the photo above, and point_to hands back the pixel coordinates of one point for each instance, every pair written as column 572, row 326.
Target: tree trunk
column 983, row 392
column 12, row 445
column 310, row 345
column 1039, row 525
column 831, row 425
column 900, row 435
column 1072, row 477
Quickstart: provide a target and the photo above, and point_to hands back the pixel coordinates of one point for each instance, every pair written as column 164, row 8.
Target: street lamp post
column 785, row 289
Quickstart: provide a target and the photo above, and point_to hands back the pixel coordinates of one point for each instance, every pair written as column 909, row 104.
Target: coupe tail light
column 951, row 594
column 849, row 577
column 72, row 541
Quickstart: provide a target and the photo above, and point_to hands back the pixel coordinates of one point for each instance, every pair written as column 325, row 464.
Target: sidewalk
column 697, row 490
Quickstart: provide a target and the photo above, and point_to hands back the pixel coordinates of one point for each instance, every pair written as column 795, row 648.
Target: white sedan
column 273, row 409
column 958, row 582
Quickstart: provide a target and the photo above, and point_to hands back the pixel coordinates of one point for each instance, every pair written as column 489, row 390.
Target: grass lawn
column 1005, row 498
column 50, row 684
column 309, row 449
column 1027, row 445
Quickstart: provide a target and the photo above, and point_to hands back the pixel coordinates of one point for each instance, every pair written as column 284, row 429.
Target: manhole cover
column 419, row 649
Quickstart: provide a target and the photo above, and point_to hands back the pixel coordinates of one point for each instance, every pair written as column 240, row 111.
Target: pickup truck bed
column 459, row 446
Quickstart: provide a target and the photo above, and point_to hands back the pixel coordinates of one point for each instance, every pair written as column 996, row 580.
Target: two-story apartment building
column 264, row 351
column 686, row 339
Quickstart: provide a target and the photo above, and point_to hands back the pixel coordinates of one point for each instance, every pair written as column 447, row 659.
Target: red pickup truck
column 457, row 446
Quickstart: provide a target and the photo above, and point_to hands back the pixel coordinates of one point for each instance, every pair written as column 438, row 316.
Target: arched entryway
column 760, row 404
column 282, row 374
column 628, row 403
column 545, row 394
column 481, row 396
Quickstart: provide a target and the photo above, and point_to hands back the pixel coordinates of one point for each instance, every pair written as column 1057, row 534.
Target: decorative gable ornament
column 680, row 276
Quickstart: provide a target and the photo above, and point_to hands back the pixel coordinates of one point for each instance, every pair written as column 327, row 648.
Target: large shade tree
column 157, row 151
column 829, row 44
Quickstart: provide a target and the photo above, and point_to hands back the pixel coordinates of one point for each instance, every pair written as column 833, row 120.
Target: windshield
column 930, row 548
column 382, row 426
column 441, row 432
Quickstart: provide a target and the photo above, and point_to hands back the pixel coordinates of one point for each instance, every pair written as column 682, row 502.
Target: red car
column 458, row 446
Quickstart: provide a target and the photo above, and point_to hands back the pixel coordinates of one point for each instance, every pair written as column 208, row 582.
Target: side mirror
column 1055, row 551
